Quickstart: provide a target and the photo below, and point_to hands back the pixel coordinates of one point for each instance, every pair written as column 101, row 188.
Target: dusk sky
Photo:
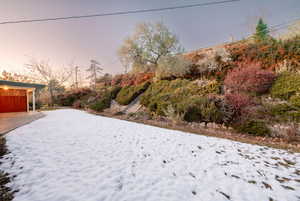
column 79, row 40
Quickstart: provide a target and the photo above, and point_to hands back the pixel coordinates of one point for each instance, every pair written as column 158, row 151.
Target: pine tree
column 262, row 31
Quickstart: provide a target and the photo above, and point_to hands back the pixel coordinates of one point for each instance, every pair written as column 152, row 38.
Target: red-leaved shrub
column 239, row 102
column 116, row 80
column 249, row 78
column 143, row 77
column 131, row 79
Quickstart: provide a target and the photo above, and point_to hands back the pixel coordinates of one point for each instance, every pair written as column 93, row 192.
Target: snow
column 71, row 155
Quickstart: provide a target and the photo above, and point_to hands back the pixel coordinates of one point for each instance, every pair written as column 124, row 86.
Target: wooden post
column 33, row 100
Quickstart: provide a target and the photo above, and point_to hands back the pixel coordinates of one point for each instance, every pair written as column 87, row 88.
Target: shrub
column 250, row 79
column 102, row 103
column 114, row 91
column 270, row 53
column 171, row 67
column 129, row 93
column 239, row 103
column 143, row 77
column 254, row 127
column 163, row 93
column 131, row 79
column 77, row 104
column 295, row 100
column 68, row 98
column 284, row 112
column 200, row 109
column 116, row 80
column 208, row 62
column 172, row 114
column 286, row 86
column 224, row 108
column 103, row 99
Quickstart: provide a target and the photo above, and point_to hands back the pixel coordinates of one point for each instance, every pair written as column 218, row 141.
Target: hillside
column 248, row 89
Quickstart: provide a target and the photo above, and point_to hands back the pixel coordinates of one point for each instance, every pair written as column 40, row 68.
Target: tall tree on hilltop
column 262, row 31
column 147, row 45
column 94, row 70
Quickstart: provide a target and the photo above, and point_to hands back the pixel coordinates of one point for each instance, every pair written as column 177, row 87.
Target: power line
column 276, row 27
column 283, row 25
column 117, row 13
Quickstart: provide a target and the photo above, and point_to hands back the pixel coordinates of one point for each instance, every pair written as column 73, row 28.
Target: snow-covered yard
column 71, row 155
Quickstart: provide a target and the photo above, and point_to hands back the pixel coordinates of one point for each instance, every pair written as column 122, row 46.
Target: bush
column 131, row 79
column 270, row 53
column 200, row 109
column 171, row 67
column 249, row 79
column 103, row 99
column 163, row 93
column 116, row 80
column 129, row 93
column 239, row 103
column 114, row 91
column 77, row 104
column 102, row 103
column 295, row 100
column 286, row 86
column 284, row 112
column 254, row 127
column 68, row 98
column 208, row 62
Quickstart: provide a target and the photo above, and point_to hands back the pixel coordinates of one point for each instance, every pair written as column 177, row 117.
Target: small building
column 14, row 96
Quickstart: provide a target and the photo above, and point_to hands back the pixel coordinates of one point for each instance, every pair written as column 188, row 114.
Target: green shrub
column 295, row 100
column 286, row 86
column 102, row 103
column 104, row 99
column 284, row 112
column 129, row 93
column 280, row 109
column 114, row 91
column 69, row 97
column 254, row 127
column 163, row 93
column 200, row 109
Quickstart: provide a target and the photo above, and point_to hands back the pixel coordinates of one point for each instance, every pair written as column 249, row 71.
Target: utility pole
column 76, row 76
column 231, row 38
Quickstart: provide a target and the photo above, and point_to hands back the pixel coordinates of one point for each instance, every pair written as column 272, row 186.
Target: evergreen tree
column 262, row 31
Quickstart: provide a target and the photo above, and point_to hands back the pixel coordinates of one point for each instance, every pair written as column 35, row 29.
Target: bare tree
column 53, row 78
column 94, row 71
column 147, row 45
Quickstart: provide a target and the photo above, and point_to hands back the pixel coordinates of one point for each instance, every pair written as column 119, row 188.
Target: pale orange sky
column 78, row 41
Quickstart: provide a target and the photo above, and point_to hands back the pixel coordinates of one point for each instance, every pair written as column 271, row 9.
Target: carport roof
column 21, row 84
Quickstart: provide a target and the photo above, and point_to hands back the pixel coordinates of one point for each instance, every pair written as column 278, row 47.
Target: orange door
column 15, row 101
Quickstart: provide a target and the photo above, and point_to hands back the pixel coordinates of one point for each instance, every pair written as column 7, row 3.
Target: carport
column 14, row 96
